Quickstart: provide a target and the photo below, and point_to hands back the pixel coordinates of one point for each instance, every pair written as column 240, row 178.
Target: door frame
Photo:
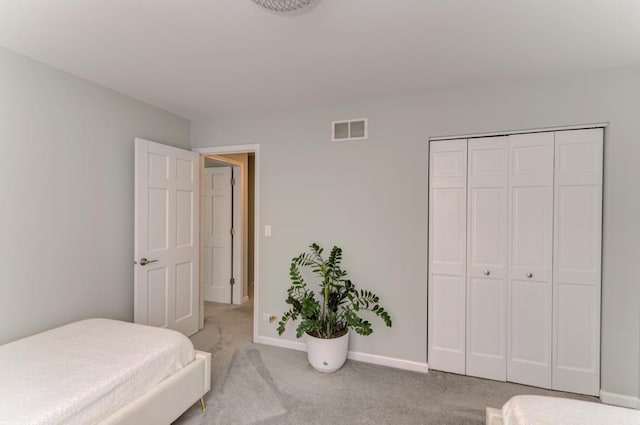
column 602, row 125
column 255, row 149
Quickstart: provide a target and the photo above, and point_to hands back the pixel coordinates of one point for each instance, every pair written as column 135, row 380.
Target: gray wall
column 66, row 186
column 370, row 197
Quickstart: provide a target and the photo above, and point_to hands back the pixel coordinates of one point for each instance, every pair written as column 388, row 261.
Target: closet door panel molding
column 514, row 267
column 529, row 309
column 447, row 255
column 487, row 257
column 577, row 268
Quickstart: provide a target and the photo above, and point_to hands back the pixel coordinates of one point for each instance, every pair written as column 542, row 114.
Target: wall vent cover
column 349, row 130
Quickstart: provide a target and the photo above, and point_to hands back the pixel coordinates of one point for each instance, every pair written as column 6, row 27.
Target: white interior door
column 447, row 255
column 166, row 237
column 529, row 308
column 577, row 266
column 487, row 221
column 216, row 234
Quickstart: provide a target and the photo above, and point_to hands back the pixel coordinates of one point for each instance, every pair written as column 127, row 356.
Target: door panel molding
column 166, row 236
column 529, row 310
column 447, row 256
column 553, row 247
column 216, row 237
column 487, row 220
column 577, row 279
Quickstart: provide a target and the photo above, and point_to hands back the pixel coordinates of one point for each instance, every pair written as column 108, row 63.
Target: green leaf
column 340, row 303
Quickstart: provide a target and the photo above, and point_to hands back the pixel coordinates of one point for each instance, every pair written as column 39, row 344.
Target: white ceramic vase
column 327, row 355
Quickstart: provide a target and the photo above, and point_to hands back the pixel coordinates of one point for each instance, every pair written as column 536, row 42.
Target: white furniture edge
column 352, row 355
column 493, row 416
column 619, row 400
column 165, row 402
column 522, row 412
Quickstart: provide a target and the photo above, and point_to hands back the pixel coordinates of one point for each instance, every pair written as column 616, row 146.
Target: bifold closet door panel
column 529, row 309
column 577, row 267
column 487, row 208
column 447, row 255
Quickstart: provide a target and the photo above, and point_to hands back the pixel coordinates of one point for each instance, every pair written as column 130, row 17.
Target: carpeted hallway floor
column 262, row 385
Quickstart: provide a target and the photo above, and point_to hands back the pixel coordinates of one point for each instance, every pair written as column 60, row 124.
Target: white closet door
column 577, row 268
column 447, row 248
column 529, row 308
column 487, row 257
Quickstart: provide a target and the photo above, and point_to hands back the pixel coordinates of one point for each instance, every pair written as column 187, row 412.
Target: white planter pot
column 327, row 355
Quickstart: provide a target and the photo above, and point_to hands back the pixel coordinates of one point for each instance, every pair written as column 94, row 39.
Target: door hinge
column 233, row 231
column 233, row 182
column 232, row 281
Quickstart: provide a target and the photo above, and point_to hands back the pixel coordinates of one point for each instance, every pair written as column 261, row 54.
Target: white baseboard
column 619, row 400
column 353, row 355
column 389, row 361
column 283, row 343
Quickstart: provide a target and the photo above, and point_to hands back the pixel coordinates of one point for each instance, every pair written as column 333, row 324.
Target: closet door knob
column 487, row 272
column 529, row 275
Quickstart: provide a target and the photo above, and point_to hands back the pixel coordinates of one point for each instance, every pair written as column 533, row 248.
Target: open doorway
column 236, row 168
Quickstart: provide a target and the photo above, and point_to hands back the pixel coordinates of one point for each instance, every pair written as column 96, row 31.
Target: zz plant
column 339, row 305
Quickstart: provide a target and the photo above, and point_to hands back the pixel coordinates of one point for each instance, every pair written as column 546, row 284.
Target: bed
column 539, row 410
column 101, row 371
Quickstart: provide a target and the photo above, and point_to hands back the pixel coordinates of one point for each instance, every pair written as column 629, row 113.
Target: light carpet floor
column 262, row 385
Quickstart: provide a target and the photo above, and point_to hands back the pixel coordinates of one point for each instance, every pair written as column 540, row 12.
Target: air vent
column 349, row 130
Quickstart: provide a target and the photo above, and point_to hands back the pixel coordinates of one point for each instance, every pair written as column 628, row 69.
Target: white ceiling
column 219, row 58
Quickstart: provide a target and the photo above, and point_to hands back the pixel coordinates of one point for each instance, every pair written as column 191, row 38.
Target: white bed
column 538, row 410
column 101, row 371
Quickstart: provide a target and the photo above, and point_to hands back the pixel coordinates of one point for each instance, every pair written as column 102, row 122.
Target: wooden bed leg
column 202, row 405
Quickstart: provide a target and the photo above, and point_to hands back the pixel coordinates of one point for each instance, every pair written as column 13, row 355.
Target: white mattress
column 538, row 410
column 82, row 372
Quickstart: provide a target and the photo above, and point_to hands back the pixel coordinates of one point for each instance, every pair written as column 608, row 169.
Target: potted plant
column 325, row 321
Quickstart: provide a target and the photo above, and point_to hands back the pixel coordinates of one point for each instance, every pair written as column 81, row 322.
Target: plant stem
column 326, row 306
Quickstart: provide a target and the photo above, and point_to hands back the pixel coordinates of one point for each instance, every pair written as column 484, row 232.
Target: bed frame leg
column 202, row 405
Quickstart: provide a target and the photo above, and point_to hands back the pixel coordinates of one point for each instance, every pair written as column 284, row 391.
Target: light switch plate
column 267, row 231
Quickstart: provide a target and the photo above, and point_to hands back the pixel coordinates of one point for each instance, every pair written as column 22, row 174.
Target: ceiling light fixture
column 283, row 5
